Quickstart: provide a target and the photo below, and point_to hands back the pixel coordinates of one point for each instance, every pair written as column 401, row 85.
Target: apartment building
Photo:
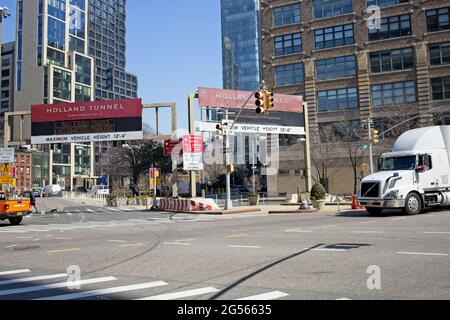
column 351, row 67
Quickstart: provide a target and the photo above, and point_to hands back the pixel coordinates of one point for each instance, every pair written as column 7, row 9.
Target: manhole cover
column 26, row 248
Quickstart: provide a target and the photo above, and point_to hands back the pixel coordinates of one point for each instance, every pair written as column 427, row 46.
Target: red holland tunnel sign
column 90, row 121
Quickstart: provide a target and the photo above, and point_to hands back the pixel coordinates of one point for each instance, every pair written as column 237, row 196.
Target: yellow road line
column 185, row 240
column 131, row 245
column 65, row 250
column 330, row 226
column 367, row 222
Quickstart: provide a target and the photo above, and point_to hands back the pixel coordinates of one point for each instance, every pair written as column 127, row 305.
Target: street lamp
column 4, row 13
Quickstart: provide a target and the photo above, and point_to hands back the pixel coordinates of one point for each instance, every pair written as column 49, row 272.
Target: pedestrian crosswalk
column 60, row 286
column 85, row 223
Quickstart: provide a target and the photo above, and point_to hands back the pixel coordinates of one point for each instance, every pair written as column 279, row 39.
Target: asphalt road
column 136, row 255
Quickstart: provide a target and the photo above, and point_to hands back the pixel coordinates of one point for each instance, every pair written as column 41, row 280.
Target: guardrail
column 100, row 199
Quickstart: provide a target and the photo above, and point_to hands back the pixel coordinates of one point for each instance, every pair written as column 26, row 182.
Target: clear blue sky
column 172, row 46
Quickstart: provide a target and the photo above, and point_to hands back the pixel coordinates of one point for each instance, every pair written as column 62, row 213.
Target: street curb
column 213, row 213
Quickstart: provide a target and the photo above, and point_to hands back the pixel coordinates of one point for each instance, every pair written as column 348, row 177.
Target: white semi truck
column 414, row 176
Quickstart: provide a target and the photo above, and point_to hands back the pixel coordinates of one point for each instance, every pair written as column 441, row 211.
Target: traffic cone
column 354, row 203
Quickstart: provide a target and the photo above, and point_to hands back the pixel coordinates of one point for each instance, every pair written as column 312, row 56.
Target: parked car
column 53, row 190
column 38, row 192
column 81, row 189
column 100, row 190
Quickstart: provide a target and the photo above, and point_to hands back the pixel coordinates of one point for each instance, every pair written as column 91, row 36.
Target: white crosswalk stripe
column 7, row 273
column 32, row 279
column 100, row 292
column 55, row 286
column 266, row 296
column 182, row 294
column 31, row 285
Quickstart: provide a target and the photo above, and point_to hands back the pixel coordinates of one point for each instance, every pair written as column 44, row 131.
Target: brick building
column 349, row 71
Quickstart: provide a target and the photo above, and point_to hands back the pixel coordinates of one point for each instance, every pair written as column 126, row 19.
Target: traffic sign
column 6, row 169
column 169, row 145
column 6, row 155
column 7, row 180
column 193, row 149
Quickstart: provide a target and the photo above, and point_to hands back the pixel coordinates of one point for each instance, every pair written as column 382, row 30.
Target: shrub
column 318, row 192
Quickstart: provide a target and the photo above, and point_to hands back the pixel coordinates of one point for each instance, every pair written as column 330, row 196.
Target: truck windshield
column 400, row 163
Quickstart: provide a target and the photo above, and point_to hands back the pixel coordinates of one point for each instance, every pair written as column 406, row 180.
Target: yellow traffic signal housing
column 375, row 138
column 260, row 102
column 363, row 168
column 230, row 168
column 269, row 101
column 219, row 127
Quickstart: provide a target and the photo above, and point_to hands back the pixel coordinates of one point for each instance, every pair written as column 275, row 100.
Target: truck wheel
column 15, row 221
column 374, row 211
column 413, row 204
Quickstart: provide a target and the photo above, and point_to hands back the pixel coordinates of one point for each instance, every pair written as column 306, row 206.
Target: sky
column 173, row 47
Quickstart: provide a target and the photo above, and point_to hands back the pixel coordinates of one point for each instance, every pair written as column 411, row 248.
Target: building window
column 289, row 74
column 334, row 36
column 82, row 93
column 56, row 33
column 287, row 44
column 331, row 8
column 439, row 53
column 57, row 9
column 5, row 83
column 339, row 131
column 335, row 68
column 340, row 99
column 62, row 84
column 441, row 88
column 392, row 27
column 394, row 93
column 5, row 94
column 387, row 61
column 286, row 15
column 82, row 70
column 385, row 3
column 438, row 19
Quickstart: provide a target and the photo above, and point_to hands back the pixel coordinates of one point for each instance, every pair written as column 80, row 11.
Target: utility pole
column 369, row 126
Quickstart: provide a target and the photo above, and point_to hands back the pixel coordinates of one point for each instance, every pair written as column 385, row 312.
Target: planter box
column 319, row 204
column 253, row 200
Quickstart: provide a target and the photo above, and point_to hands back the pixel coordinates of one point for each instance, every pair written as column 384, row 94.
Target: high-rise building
column 53, row 66
column 350, row 67
column 107, row 31
column 7, row 81
column 240, row 44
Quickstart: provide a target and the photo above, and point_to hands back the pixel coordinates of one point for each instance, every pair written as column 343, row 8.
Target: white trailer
column 414, row 176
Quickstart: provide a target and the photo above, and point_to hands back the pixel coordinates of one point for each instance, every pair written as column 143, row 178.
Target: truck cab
column 13, row 209
column 414, row 176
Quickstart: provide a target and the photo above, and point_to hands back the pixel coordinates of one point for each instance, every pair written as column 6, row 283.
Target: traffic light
column 375, row 137
column 219, row 128
column 260, row 102
column 269, row 101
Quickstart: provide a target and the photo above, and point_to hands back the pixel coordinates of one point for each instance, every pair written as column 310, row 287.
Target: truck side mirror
column 421, row 169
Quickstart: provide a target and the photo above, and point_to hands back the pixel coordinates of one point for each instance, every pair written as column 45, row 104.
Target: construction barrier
column 188, row 205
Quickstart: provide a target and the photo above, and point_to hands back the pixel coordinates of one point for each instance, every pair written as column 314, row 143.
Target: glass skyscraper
column 107, row 31
column 240, row 44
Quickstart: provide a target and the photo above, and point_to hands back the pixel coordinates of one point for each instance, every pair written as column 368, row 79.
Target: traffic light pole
column 226, row 142
column 369, row 125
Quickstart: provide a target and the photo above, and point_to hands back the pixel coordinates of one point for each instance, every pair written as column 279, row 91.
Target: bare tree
column 214, row 173
column 323, row 151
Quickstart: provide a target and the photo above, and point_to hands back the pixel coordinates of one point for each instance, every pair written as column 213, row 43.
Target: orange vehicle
column 13, row 209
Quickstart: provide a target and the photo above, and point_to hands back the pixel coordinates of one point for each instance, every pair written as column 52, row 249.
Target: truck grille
column 370, row 190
